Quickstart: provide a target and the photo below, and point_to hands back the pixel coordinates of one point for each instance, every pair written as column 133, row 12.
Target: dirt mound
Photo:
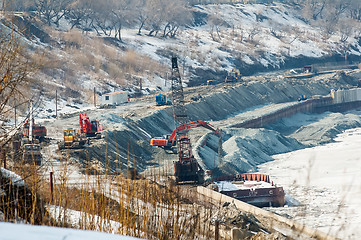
column 244, row 225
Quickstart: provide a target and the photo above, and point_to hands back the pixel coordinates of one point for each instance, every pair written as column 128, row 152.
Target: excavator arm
column 169, row 140
column 90, row 128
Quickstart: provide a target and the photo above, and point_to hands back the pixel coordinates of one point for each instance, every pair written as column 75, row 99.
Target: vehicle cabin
column 115, row 98
column 211, row 82
column 308, row 69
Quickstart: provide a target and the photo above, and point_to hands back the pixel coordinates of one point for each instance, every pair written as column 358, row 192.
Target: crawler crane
column 186, row 168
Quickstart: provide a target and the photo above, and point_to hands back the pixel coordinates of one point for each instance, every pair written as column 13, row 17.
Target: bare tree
column 52, row 10
column 215, row 23
column 178, row 15
column 14, row 69
column 157, row 10
column 121, row 15
column 355, row 9
column 100, row 16
column 142, row 13
column 313, row 9
column 79, row 12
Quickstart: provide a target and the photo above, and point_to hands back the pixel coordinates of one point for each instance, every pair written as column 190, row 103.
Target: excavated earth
column 129, row 128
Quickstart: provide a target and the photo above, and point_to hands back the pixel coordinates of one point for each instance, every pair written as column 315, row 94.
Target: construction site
column 180, row 120
column 207, row 140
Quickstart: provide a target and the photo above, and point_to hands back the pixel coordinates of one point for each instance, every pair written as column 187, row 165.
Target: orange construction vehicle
column 89, row 128
column 168, row 141
column 38, row 131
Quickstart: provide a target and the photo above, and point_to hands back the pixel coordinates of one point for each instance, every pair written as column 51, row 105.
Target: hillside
column 73, row 64
column 250, row 37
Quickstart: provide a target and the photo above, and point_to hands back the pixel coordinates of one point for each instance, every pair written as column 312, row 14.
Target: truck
column 38, row 132
column 31, row 153
column 161, row 100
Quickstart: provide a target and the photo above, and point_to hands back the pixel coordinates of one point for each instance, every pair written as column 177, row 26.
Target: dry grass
column 108, row 203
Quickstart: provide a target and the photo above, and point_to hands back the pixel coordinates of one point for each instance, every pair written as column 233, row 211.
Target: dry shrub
column 114, row 71
column 110, row 52
column 84, row 60
column 139, row 208
column 74, row 38
column 131, row 59
column 46, row 60
column 89, row 96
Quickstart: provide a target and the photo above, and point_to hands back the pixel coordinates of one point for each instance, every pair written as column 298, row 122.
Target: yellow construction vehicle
column 233, row 75
column 72, row 140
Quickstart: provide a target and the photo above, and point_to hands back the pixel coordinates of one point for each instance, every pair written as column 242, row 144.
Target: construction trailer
column 115, row 98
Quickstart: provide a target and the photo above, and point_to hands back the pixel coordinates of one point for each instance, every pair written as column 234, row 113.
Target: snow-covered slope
column 250, row 37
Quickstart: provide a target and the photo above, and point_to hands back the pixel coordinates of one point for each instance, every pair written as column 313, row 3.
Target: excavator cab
column 90, row 128
column 94, row 126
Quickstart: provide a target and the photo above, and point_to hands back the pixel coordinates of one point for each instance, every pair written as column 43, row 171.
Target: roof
column 113, row 93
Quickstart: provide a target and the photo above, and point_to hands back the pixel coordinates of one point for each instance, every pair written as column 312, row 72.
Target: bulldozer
column 72, row 140
column 233, row 75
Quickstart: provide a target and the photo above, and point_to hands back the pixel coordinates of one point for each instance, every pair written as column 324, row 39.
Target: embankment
column 219, row 103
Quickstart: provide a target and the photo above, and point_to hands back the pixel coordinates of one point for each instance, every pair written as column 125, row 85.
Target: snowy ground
column 326, row 183
column 10, row 231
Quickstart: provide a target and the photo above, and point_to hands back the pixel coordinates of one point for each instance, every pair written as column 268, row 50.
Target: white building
column 115, row 98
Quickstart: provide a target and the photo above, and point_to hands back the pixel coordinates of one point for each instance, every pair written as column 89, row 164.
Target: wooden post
column 51, row 186
column 216, row 230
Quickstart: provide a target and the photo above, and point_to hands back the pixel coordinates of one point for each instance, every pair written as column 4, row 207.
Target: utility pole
column 51, row 186
column 95, row 104
column 15, row 112
column 56, row 103
column 31, row 122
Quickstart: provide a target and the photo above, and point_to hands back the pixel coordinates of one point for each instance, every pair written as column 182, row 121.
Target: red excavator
column 168, row 141
column 90, row 128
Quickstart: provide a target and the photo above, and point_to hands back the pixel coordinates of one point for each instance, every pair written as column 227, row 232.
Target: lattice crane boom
column 186, row 168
